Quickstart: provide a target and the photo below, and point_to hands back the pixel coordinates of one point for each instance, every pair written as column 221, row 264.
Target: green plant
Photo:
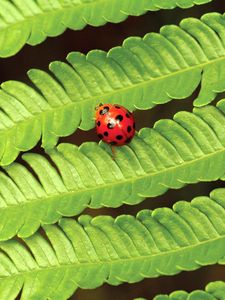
column 214, row 290
column 44, row 189
column 25, row 21
column 88, row 252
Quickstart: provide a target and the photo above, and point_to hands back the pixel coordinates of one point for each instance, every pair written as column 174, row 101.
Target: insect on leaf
column 188, row 149
column 140, row 74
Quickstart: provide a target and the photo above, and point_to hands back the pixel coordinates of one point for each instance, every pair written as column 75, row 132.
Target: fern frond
column 30, row 21
column 88, row 252
column 188, row 149
column 214, row 290
column 140, row 74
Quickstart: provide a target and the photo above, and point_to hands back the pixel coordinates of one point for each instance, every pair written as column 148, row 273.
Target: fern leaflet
column 31, row 21
column 140, row 74
column 88, row 252
column 214, row 290
column 188, row 149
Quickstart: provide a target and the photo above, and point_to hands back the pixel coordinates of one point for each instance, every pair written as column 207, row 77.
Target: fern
column 90, row 252
column 30, row 21
column 188, row 149
column 214, row 290
column 51, row 262
column 134, row 74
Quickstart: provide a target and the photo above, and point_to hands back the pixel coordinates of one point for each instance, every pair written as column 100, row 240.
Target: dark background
column 105, row 38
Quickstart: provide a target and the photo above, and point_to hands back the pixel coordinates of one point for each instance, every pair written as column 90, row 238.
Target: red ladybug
column 115, row 125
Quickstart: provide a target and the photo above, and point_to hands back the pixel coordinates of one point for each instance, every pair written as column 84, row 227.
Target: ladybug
column 115, row 125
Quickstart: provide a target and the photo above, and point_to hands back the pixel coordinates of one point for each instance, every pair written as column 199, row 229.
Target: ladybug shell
column 115, row 125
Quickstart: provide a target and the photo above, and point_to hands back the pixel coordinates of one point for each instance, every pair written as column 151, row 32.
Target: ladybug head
column 102, row 109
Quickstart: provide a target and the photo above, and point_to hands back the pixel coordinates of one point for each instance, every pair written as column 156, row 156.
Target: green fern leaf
column 90, row 252
column 188, row 149
column 30, row 21
column 213, row 291
column 140, row 74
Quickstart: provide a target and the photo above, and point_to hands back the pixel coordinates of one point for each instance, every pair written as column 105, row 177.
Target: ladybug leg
column 113, row 148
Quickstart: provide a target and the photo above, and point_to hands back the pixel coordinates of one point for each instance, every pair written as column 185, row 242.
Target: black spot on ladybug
column 100, row 135
column 127, row 115
column 106, row 133
column 113, row 143
column 111, row 125
column 128, row 140
column 119, row 118
column 134, row 125
column 129, row 129
column 98, row 123
column 117, row 106
column 119, row 137
column 104, row 110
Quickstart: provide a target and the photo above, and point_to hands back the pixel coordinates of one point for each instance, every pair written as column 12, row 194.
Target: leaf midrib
column 120, row 260
column 114, row 91
column 35, row 201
